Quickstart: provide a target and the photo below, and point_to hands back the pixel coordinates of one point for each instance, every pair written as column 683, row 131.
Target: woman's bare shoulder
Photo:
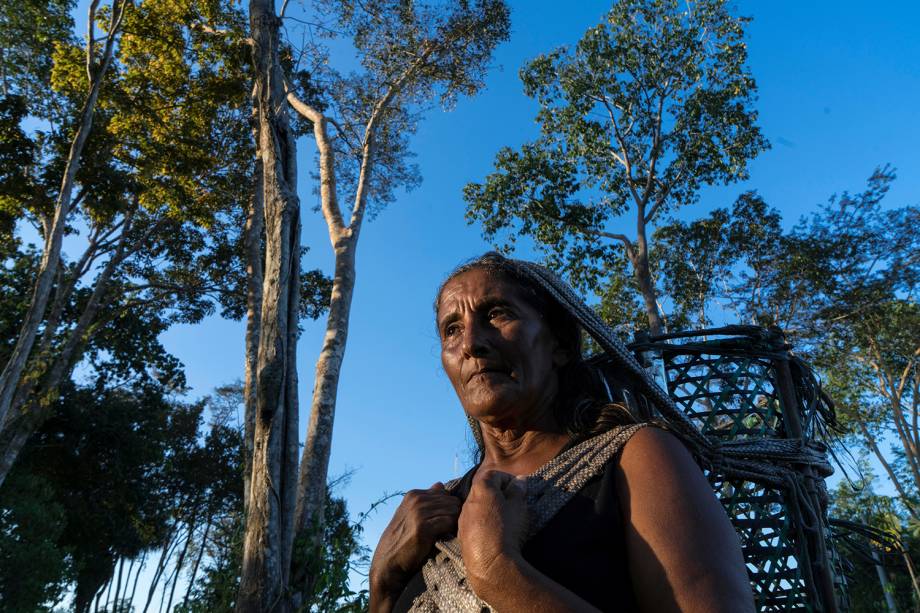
column 653, row 449
column 684, row 553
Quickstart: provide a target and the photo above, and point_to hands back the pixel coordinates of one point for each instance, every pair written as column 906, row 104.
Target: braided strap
column 601, row 332
column 549, row 488
column 770, row 462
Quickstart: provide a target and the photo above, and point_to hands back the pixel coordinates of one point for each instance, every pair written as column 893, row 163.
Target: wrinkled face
column 497, row 350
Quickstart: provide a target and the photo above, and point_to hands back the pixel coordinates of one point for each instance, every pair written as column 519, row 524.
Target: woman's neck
column 520, row 451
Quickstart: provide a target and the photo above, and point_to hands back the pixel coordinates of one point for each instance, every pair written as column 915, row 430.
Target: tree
column 157, row 198
column 341, row 552
column 708, row 262
column 843, row 284
column 120, row 472
column 33, row 569
column 877, row 575
column 54, row 222
column 410, row 54
column 651, row 105
column 269, row 535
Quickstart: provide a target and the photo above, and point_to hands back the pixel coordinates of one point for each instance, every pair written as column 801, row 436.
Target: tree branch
column 905, row 499
column 627, row 162
column 206, row 29
column 91, row 39
column 328, row 196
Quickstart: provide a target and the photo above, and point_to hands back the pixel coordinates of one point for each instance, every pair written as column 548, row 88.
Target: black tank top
column 581, row 548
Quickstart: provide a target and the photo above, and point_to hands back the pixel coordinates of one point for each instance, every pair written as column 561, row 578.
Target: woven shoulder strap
column 549, row 488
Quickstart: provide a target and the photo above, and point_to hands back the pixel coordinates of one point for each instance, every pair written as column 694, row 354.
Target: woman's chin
column 497, row 410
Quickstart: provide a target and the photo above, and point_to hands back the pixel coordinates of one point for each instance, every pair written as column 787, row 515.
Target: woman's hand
column 421, row 518
column 492, row 526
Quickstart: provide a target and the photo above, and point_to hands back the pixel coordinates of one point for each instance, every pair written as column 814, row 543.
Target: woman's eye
column 451, row 330
column 497, row 314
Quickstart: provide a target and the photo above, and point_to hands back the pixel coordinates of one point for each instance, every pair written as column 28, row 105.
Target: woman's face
column 497, row 351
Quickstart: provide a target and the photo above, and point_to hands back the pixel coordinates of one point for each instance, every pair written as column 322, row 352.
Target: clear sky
column 839, row 88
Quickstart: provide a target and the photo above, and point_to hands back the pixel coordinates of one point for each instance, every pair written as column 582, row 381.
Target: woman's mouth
column 490, row 371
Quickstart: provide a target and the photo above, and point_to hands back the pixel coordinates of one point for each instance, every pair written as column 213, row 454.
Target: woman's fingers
column 440, row 525
column 427, row 501
column 493, row 478
column 493, row 482
column 516, row 489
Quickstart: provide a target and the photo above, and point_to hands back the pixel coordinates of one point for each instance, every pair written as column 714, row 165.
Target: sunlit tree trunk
column 344, row 240
column 269, row 535
column 644, row 276
column 254, row 231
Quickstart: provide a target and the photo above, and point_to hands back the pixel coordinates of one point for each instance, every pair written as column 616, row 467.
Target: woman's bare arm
column 683, row 553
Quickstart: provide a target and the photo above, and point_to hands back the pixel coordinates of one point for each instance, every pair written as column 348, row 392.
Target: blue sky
column 839, row 87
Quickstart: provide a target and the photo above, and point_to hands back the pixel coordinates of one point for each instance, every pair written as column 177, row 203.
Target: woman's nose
column 475, row 344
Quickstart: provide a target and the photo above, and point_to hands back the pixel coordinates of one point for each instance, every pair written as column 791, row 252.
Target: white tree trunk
column 317, row 447
column 644, row 276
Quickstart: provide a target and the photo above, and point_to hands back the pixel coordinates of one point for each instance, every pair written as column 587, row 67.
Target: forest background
column 836, row 85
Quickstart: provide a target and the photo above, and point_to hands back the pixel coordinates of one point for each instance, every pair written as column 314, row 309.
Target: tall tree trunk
column 124, row 595
column 179, row 562
column 201, row 549
column 317, row 448
column 140, row 567
column 254, row 278
column 51, row 254
column 108, row 593
column 121, row 568
column 269, row 534
column 311, row 487
column 644, row 276
column 161, row 566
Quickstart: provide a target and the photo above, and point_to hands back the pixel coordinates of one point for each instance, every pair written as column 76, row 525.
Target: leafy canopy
column 650, row 105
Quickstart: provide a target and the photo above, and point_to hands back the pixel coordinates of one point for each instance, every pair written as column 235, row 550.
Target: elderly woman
column 573, row 506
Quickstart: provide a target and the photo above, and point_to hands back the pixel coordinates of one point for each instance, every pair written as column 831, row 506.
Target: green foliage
column 651, row 104
column 16, row 154
column 216, row 589
column 105, row 453
column 33, row 567
column 18, row 269
column 712, row 260
column 849, row 256
column 619, row 303
column 857, row 501
column 112, row 475
column 331, row 565
column 28, row 28
column 843, row 284
column 162, row 187
column 340, row 555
